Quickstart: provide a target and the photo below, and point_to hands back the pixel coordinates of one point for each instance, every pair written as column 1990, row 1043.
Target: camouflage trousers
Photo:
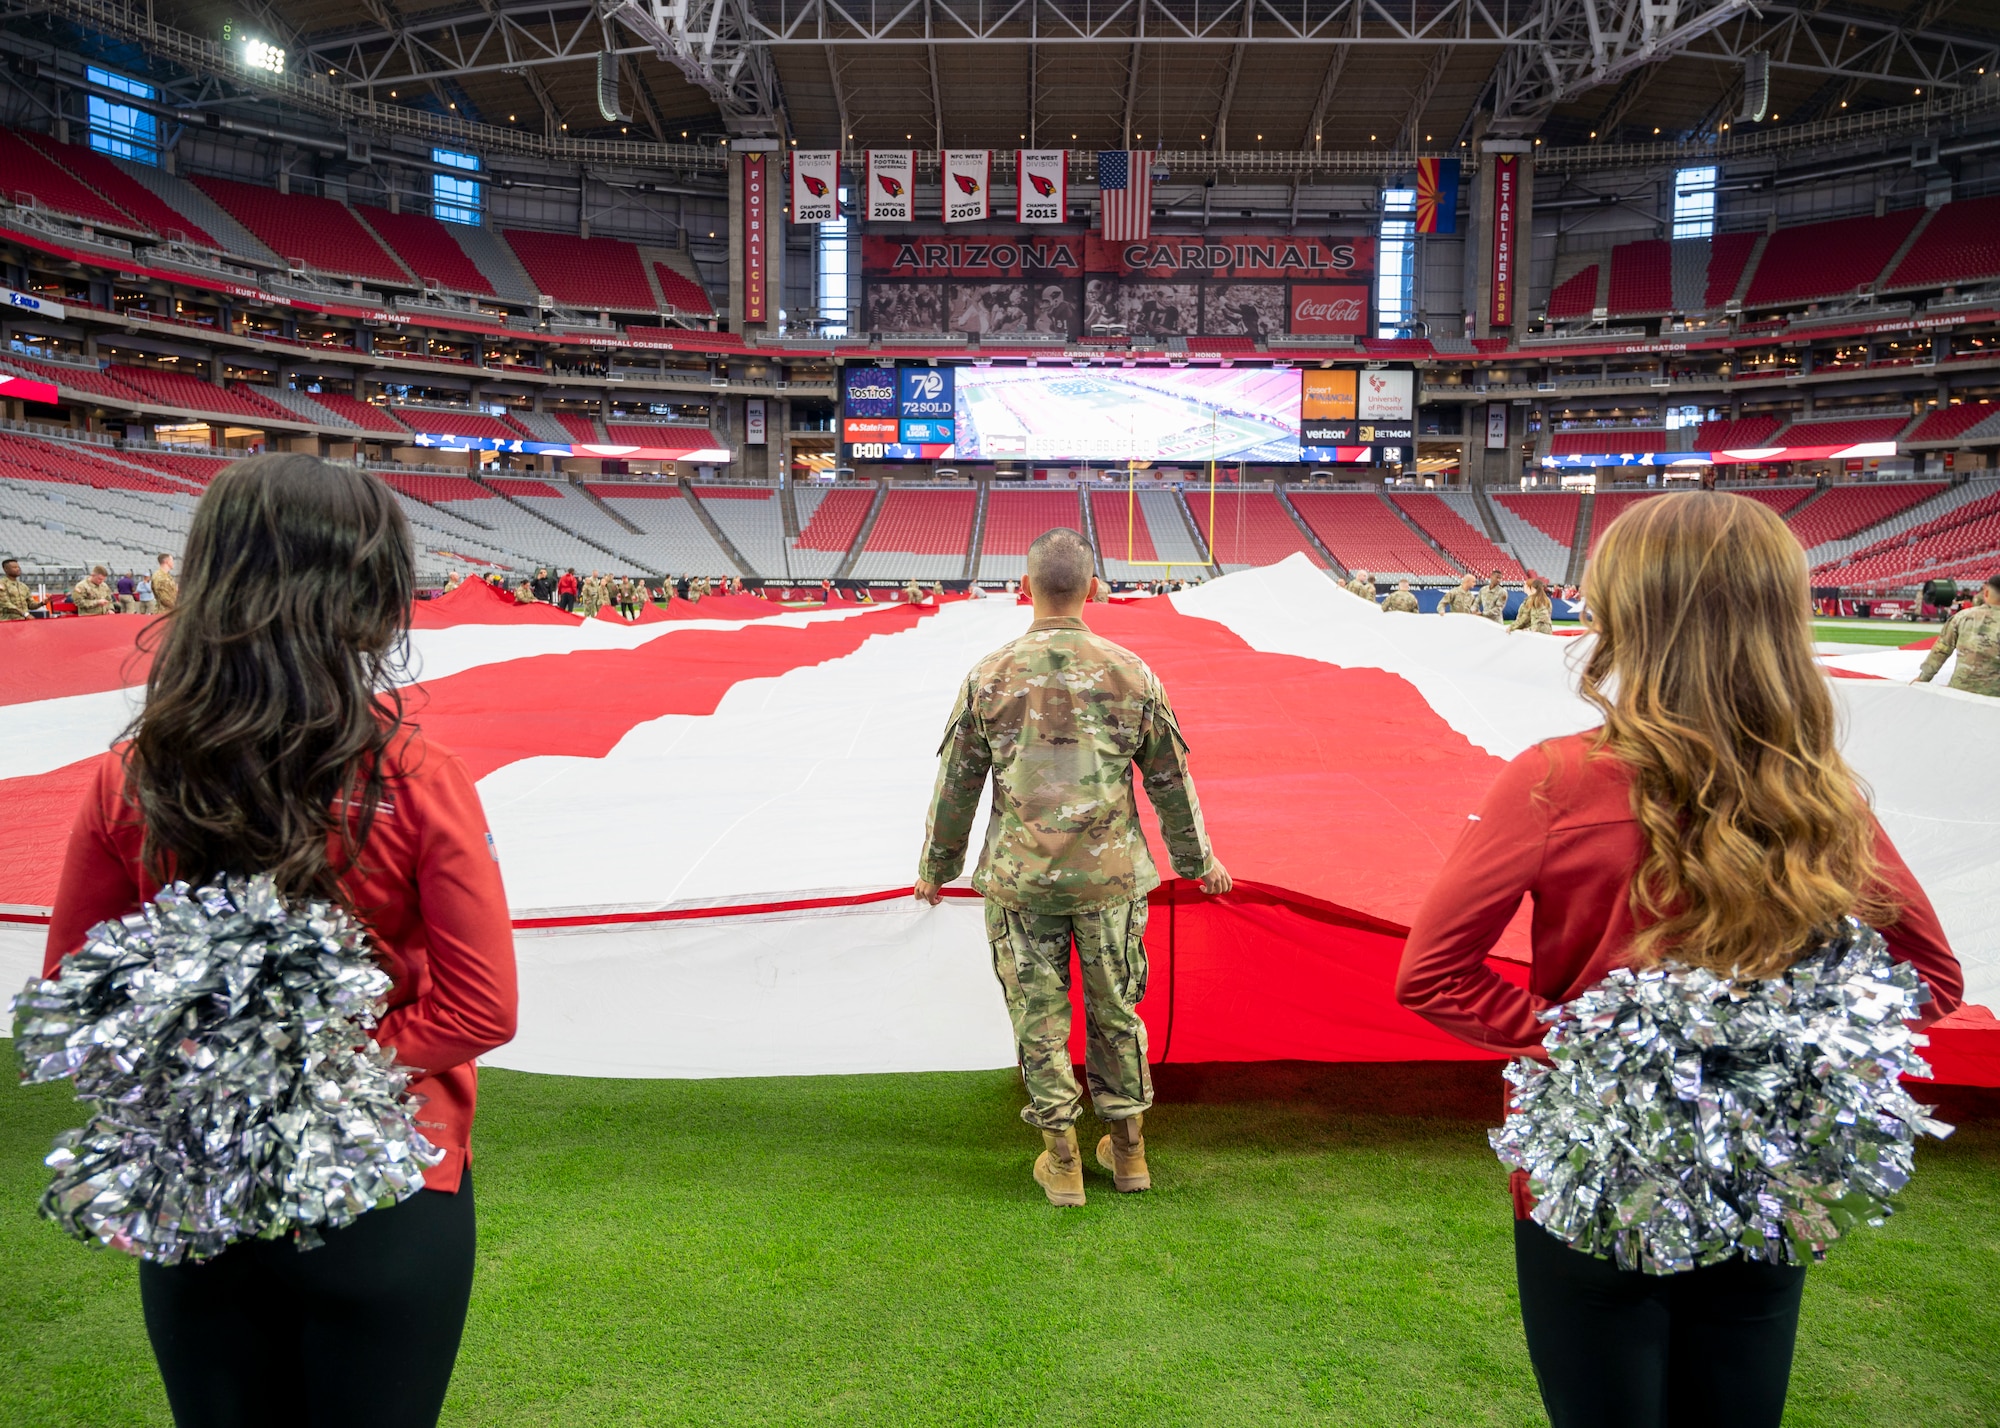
column 1031, row 959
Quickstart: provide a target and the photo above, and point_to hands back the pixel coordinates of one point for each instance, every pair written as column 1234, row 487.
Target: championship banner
column 964, row 177
column 1044, row 185
column 892, row 185
column 756, row 208
column 1506, row 199
column 815, row 185
column 1437, row 195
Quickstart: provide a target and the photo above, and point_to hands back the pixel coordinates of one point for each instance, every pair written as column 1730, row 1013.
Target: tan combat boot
column 1123, row 1153
column 1059, row 1169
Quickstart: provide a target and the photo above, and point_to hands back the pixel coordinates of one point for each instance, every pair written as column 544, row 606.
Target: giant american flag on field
column 1125, row 188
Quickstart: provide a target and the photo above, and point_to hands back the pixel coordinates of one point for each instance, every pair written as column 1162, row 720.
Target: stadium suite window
column 455, row 199
column 832, row 272
column 119, row 129
column 1694, row 203
column 1396, row 277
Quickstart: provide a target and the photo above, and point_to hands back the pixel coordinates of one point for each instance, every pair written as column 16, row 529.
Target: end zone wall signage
column 1253, row 286
column 815, row 185
column 892, row 185
column 756, row 195
column 965, row 176
column 1506, row 205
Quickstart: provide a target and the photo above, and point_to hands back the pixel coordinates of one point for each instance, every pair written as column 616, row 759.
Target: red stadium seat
column 427, row 248
column 1960, row 245
column 594, row 274
column 1642, row 278
column 124, row 191
column 31, row 178
column 1575, row 296
column 1826, row 260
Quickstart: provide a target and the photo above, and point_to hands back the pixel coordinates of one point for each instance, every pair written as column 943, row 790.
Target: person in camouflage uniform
column 1493, row 599
column 1360, row 584
column 1975, row 634
column 1401, row 601
column 1537, row 612
column 913, row 593
column 15, row 598
column 1462, row 601
column 166, row 586
column 1058, row 718
column 92, row 594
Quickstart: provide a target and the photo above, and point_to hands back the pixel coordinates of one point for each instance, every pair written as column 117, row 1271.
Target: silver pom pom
column 1685, row 1118
column 223, row 1036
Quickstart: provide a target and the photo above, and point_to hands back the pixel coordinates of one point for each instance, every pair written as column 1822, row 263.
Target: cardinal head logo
column 814, row 186
column 1045, row 186
column 966, row 183
column 891, row 186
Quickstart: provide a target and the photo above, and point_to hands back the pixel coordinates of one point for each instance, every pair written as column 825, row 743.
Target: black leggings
column 1711, row 1348
column 362, row 1330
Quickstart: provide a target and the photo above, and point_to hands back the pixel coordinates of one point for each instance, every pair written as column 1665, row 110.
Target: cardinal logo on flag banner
column 1437, row 195
column 1044, row 195
column 892, row 185
column 965, row 182
column 815, row 185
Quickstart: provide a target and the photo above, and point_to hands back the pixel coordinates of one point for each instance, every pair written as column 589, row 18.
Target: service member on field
column 1462, row 601
column 166, row 586
column 1493, row 599
column 1400, row 600
column 1360, row 584
column 1059, row 717
column 1975, row 634
column 1537, row 612
column 16, row 600
column 93, row 594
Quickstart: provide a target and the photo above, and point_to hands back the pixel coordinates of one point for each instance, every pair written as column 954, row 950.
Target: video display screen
column 1127, row 414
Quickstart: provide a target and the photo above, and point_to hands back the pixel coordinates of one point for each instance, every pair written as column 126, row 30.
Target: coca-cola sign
column 1329, row 310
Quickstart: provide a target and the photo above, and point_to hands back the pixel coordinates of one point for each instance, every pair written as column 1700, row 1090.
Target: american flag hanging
column 1125, row 187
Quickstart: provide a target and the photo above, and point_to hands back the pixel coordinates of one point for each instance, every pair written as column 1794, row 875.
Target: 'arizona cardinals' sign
column 815, row 185
column 1044, row 195
column 965, row 176
column 892, row 185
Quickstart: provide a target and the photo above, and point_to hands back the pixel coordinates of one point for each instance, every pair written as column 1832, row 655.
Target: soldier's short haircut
column 98, row 570
column 1060, row 564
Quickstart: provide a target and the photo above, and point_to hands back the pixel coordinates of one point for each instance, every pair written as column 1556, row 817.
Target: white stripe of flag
column 1125, row 190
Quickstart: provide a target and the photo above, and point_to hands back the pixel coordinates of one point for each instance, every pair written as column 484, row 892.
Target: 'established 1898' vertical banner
column 755, row 182
column 815, row 185
column 1506, row 199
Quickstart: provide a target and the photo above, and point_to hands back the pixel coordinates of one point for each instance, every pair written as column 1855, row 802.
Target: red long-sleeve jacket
column 1558, row 825
column 429, row 889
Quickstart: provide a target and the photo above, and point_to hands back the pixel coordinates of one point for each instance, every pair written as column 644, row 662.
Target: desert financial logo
column 871, row 391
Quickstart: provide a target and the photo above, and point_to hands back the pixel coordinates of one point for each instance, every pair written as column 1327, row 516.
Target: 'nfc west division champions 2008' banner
column 891, row 415
column 1239, row 286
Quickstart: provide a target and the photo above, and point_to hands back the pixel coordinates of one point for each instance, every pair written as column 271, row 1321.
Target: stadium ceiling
column 1237, row 76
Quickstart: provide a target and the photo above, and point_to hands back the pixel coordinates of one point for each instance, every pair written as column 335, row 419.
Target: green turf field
column 1871, row 632
column 869, row 1250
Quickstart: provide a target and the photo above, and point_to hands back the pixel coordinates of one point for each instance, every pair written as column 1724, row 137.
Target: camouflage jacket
column 1975, row 634
column 1059, row 717
column 1364, row 588
column 166, row 589
column 1401, row 602
column 1493, row 601
column 1459, row 602
column 1534, row 617
column 15, row 599
column 91, row 598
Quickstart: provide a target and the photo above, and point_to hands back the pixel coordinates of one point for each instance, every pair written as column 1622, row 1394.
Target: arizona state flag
column 1437, row 195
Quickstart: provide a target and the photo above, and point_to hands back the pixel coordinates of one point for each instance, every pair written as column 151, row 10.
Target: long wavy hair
column 1758, row 834
column 272, row 698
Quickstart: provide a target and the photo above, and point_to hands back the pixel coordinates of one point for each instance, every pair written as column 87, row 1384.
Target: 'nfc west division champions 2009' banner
column 1238, row 286
column 891, row 415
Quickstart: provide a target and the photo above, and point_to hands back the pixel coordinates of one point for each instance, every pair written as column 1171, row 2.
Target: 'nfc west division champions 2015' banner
column 1227, row 287
column 891, row 415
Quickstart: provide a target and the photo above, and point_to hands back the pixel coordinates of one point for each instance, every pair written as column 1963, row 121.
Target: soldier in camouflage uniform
column 1462, row 601
column 1493, row 599
column 166, row 586
column 913, row 593
column 1058, row 718
column 1401, row 601
column 15, row 599
column 1537, row 612
column 1359, row 584
column 92, row 594
column 1975, row 634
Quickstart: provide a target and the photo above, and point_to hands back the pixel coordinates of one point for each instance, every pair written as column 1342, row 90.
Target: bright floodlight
column 258, row 55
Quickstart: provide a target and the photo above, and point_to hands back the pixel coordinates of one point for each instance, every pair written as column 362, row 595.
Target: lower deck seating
column 925, row 534
column 750, row 517
column 1249, row 528
column 672, row 538
column 1539, row 525
column 1365, row 534
column 1448, row 518
column 1014, row 519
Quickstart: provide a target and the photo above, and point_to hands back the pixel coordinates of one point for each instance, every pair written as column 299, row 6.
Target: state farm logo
column 1330, row 309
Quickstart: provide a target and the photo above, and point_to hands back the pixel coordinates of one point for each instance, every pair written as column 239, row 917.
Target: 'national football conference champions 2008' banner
column 1241, row 286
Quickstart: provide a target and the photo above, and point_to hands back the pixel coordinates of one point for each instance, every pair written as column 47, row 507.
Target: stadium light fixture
column 259, row 55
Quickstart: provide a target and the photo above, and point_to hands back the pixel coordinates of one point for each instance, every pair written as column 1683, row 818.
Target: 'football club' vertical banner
column 965, row 177
column 1506, row 199
column 1044, row 183
column 756, row 181
column 892, row 185
column 815, row 185
column 1437, row 195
